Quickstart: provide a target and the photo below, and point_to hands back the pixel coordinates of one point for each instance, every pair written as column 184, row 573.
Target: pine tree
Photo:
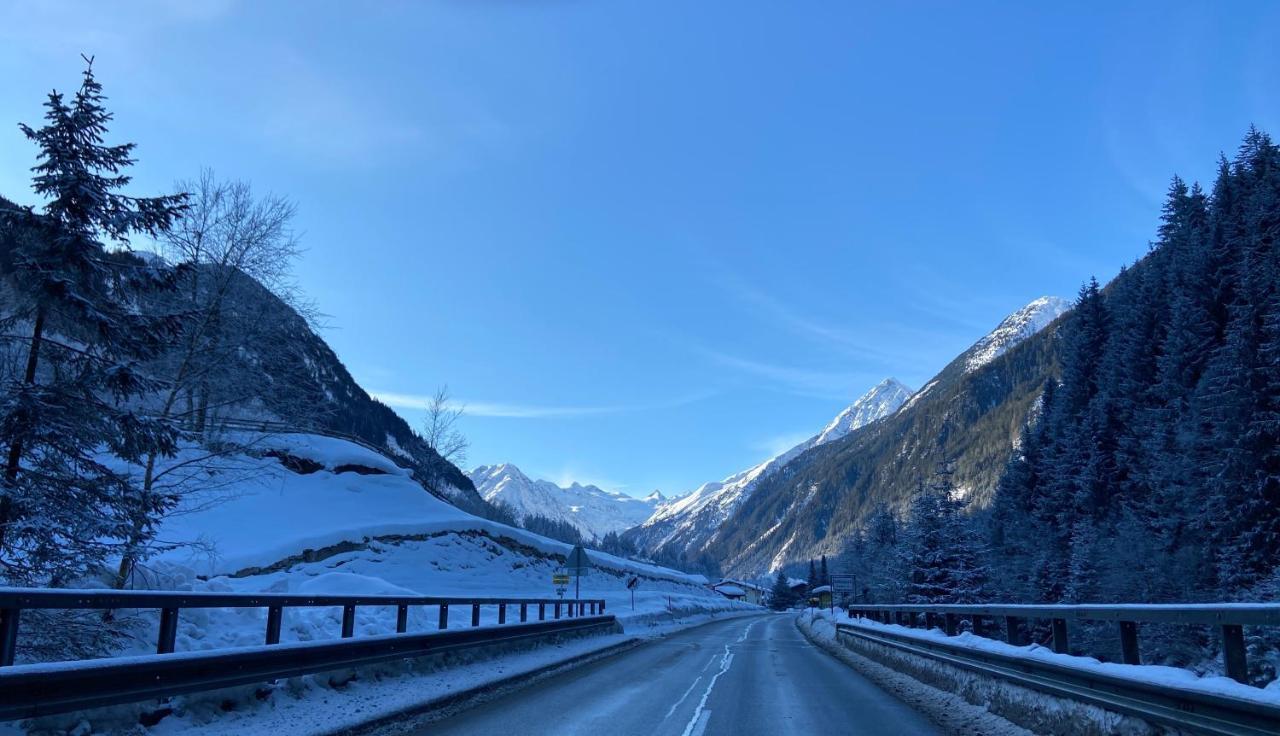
column 943, row 552
column 781, row 597
column 824, row 578
column 63, row 505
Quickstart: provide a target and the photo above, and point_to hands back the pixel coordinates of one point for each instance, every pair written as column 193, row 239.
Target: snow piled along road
column 359, row 524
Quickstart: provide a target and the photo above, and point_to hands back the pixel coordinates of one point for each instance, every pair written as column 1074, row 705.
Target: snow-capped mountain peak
column 592, row 510
column 881, row 401
column 691, row 521
column 1014, row 329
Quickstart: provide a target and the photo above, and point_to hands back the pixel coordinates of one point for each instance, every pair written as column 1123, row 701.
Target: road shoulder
column 951, row 713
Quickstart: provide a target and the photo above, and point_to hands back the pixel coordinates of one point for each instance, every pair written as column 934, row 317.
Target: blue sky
column 650, row 243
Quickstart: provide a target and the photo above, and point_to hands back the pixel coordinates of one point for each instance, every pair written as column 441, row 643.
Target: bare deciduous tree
column 233, row 244
column 440, row 429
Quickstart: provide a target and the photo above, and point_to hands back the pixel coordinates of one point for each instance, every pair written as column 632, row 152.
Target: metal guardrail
column 1230, row 618
column 13, row 601
column 29, row 691
column 1160, row 704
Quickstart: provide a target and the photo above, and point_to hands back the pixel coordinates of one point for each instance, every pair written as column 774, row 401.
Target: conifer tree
column 63, row 505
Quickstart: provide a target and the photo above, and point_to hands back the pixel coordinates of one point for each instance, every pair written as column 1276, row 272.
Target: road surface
column 743, row 677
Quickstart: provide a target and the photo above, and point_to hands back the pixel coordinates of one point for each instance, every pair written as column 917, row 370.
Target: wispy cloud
column 529, row 411
column 800, row 324
column 803, row 381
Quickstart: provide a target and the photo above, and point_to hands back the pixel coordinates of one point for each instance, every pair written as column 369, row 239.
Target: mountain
column 969, row 415
column 282, row 374
column 593, row 511
column 1014, row 329
column 687, row 524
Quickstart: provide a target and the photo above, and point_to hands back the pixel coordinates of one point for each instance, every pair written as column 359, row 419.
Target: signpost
column 578, row 564
column 842, row 584
column 632, row 584
column 560, row 579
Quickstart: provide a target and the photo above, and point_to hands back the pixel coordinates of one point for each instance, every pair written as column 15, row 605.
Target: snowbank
column 269, row 514
column 1169, row 677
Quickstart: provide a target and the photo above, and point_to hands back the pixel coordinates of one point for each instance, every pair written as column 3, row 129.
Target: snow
column 693, row 520
column 947, row 709
column 1014, row 329
column 593, row 511
column 386, row 536
column 1169, row 677
column 730, row 590
column 272, row 515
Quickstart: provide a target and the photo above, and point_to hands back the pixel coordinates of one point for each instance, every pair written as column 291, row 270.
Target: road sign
column 842, row 583
column 632, row 584
column 559, row 579
column 578, row 562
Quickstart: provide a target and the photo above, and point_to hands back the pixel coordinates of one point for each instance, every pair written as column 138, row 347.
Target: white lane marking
column 686, row 694
column 700, row 714
column 702, row 723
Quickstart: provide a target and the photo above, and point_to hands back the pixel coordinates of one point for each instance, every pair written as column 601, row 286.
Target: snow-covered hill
column 1014, row 329
column 592, row 510
column 688, row 523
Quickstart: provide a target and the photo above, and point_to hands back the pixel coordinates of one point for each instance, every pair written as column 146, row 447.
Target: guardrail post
column 602, row 607
column 402, row 618
column 557, row 607
column 592, row 606
column 542, row 612
column 582, row 607
column 1233, row 656
column 524, row 612
column 1060, row 635
column 274, row 616
column 348, row 621
column 8, row 634
column 168, row 630
column 502, row 613
column 444, row 615
column 951, row 624
column 930, row 620
column 475, row 614
column 1129, row 643
column 1013, row 630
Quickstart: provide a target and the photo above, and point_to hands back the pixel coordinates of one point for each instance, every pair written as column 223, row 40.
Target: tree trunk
column 15, row 449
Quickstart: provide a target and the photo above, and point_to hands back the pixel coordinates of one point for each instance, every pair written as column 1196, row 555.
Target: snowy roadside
column 1175, row 678
column 349, row 700
column 950, row 712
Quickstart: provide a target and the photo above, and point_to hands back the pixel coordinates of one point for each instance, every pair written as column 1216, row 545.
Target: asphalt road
column 742, row 677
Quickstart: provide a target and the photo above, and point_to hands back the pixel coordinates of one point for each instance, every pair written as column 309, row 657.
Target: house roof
column 738, row 583
column 730, row 590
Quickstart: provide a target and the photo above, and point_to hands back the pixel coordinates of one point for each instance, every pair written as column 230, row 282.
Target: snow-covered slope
column 593, row 511
column 1014, row 329
column 688, row 523
column 255, row 514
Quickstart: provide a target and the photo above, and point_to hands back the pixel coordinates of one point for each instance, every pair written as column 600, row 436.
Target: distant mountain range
column 593, row 511
column 686, row 525
column 969, row 416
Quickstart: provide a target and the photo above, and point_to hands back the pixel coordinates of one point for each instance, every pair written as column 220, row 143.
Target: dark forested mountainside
column 285, row 372
column 969, row 415
column 1154, row 471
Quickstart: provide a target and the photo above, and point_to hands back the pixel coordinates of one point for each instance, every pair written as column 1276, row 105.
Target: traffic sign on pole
column 578, row 564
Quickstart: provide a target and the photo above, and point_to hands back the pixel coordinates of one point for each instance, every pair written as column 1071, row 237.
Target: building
column 741, row 591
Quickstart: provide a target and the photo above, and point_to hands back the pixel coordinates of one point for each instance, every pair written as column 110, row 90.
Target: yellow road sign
column 559, row 579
